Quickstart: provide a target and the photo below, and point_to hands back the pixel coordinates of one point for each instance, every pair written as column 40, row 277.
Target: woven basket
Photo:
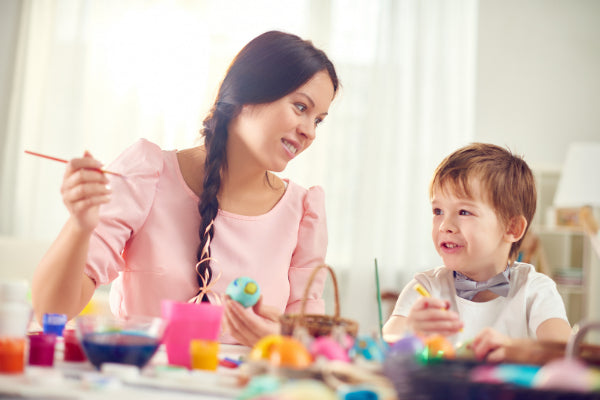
column 317, row 324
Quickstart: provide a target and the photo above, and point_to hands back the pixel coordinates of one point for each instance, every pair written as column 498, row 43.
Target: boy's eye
column 437, row 211
column 301, row 107
column 464, row 212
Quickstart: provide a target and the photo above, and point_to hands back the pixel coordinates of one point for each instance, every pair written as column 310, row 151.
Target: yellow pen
column 422, row 291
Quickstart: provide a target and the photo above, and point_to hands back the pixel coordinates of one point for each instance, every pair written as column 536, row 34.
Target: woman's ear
column 515, row 229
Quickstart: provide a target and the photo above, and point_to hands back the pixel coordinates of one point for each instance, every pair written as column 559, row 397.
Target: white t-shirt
column 532, row 299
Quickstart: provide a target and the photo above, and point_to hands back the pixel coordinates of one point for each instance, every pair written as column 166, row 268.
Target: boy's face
column 467, row 233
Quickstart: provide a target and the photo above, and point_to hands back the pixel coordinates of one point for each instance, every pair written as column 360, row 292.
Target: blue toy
column 368, row 348
column 244, row 290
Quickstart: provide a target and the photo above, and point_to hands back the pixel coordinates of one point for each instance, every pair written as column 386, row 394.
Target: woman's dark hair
column 269, row 67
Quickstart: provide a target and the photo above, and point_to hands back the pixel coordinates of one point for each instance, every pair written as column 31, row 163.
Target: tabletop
column 157, row 380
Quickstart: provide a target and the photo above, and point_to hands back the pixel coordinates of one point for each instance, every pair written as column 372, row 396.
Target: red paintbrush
column 65, row 161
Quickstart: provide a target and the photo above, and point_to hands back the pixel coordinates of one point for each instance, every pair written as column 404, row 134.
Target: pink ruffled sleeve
column 310, row 253
column 130, row 204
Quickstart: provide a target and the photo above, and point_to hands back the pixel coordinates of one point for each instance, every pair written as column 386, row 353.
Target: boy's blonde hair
column 507, row 182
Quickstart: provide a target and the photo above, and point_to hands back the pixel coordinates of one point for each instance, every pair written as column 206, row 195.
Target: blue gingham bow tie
column 467, row 288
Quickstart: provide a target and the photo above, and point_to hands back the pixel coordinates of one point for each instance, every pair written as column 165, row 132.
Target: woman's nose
column 307, row 129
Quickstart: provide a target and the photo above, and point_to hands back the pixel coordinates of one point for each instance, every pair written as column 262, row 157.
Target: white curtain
column 97, row 75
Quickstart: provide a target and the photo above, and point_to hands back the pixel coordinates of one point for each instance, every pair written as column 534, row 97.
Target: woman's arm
column 59, row 284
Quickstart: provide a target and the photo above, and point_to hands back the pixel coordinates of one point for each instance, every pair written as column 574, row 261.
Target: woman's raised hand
column 84, row 189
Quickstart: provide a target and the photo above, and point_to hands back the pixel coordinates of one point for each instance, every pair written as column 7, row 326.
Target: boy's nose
column 447, row 226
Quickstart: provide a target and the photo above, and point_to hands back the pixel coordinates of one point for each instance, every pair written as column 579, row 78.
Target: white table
column 69, row 380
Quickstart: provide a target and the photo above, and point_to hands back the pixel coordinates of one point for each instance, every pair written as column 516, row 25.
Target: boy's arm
column 394, row 328
column 555, row 329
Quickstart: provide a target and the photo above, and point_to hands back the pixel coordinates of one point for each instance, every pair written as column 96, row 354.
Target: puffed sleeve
column 127, row 210
column 309, row 253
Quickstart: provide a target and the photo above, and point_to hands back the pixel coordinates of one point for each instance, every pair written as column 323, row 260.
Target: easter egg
column 464, row 350
column 244, row 290
column 439, row 347
column 290, row 353
column 329, row 348
column 408, row 345
column 262, row 349
column 564, row 374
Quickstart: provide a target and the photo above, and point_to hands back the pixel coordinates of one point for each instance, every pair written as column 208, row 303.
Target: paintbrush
column 66, row 161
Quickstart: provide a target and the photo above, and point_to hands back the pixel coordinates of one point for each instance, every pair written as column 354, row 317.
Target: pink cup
column 187, row 321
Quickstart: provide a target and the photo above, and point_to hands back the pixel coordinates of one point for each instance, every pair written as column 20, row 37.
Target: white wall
column 538, row 76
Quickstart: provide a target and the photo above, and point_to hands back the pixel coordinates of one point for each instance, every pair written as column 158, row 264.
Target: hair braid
column 215, row 131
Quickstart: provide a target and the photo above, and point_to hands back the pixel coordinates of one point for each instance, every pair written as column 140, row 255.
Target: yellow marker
column 422, row 291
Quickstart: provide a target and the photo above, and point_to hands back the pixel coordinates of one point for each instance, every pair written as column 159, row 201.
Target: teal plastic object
column 244, row 290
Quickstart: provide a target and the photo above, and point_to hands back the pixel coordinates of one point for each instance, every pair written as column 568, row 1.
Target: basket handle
column 335, row 288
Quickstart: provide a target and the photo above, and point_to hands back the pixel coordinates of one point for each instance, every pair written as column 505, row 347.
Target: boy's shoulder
column 435, row 274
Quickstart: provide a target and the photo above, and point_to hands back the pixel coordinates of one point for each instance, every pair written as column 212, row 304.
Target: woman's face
column 270, row 135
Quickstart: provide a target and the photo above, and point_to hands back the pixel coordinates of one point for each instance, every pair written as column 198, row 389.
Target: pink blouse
column 146, row 241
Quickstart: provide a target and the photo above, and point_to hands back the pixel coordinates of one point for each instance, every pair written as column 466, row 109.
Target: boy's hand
column 490, row 345
column 430, row 315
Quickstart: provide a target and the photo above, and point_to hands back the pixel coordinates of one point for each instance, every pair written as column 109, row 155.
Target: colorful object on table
column 409, row 345
column 368, row 348
column 41, row 348
column 187, row 321
column 12, row 355
column 281, row 351
column 54, row 323
column 204, row 354
column 229, row 362
column 302, row 389
column 108, row 339
column 516, row 374
column 347, row 392
column 565, row 374
column 244, row 290
column 33, row 153
column 437, row 346
column 73, row 349
column 260, row 386
column 329, row 348
column 464, row 350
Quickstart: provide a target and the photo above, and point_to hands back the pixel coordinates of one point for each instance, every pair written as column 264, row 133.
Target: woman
column 183, row 224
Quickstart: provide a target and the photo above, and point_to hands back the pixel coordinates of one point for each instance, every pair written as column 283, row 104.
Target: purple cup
column 41, row 348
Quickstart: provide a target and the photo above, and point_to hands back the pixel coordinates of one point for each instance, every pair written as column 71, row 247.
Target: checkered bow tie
column 468, row 288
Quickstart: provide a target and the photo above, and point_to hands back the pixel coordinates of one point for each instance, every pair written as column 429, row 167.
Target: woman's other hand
column 84, row 189
column 248, row 325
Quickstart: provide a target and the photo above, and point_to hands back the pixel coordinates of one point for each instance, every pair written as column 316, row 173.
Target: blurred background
column 419, row 79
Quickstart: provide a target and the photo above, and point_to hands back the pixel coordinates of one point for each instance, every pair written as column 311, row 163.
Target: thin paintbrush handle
column 33, row 153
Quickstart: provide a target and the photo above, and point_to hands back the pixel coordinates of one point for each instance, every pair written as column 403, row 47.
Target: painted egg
column 329, row 348
column 464, row 350
column 408, row 345
column 290, row 353
column 244, row 290
column 438, row 346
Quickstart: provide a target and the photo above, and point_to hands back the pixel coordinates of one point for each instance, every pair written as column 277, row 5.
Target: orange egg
column 439, row 347
column 262, row 349
column 290, row 353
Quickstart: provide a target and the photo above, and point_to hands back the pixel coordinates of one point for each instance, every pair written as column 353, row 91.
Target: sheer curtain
column 98, row 75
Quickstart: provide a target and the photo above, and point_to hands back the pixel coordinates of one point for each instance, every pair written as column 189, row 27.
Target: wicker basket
column 317, row 324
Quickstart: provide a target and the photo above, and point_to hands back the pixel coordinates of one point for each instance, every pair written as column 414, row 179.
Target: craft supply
column 421, row 290
column 41, row 348
column 378, row 300
column 66, row 161
column 204, row 354
column 244, row 290
column 189, row 321
column 73, row 349
column 12, row 355
column 54, row 323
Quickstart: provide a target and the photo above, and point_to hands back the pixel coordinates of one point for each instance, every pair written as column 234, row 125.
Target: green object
column 379, row 301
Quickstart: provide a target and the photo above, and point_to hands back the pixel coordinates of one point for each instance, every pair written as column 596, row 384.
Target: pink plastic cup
column 188, row 321
column 41, row 348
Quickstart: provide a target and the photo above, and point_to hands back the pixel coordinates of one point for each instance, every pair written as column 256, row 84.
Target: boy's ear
column 515, row 229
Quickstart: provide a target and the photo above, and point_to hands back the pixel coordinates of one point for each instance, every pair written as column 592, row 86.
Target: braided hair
column 269, row 67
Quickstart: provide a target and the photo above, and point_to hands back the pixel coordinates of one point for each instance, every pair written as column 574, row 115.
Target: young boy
column 483, row 200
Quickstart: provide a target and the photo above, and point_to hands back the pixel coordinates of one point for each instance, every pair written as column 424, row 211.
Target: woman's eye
column 318, row 121
column 464, row 212
column 437, row 211
column 301, row 107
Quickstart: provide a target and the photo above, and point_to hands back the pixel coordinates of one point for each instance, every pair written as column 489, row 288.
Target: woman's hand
column 84, row 189
column 431, row 316
column 490, row 345
column 248, row 325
